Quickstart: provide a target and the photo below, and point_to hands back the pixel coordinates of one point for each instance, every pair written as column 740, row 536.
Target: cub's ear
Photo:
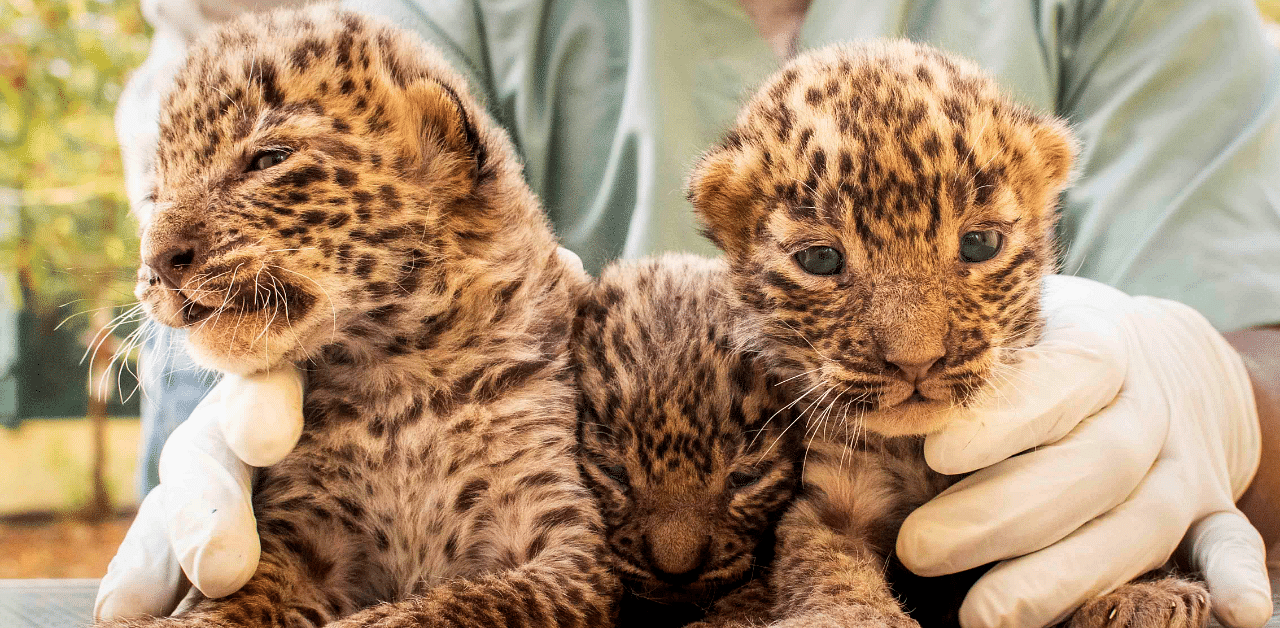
column 1057, row 147
column 450, row 149
column 725, row 196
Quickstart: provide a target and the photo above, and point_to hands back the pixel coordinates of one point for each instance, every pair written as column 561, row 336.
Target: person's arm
column 1260, row 348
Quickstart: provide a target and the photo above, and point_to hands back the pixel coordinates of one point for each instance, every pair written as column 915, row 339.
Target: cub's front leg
column 278, row 594
column 533, row 554
column 830, row 566
column 748, row 606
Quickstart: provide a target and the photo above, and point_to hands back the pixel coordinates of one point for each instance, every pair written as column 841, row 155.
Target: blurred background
column 68, row 393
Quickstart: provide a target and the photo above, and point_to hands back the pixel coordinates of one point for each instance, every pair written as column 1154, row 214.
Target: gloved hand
column 1140, row 429
column 200, row 516
column 199, row 520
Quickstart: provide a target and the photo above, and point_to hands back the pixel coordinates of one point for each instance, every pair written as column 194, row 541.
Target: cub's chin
column 913, row 417
column 239, row 340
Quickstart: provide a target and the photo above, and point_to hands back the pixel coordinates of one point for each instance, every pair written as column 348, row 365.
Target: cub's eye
column 617, row 473
column 980, row 246
column 744, row 478
column 820, row 260
column 266, row 159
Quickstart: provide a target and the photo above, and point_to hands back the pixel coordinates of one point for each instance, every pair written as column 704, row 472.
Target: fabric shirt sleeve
column 454, row 27
column 1177, row 104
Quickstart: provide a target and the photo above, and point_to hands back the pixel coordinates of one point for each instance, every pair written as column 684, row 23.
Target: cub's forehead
column 264, row 70
column 894, row 110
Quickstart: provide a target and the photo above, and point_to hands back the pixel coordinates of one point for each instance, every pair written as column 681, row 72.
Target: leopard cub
column 329, row 195
column 887, row 214
column 688, row 444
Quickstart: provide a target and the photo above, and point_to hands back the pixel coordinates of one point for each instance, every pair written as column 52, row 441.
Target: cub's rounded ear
column 724, row 194
column 450, row 148
column 1057, row 148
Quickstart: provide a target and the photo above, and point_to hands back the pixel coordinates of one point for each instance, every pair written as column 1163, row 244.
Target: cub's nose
column 678, row 559
column 914, row 364
column 173, row 263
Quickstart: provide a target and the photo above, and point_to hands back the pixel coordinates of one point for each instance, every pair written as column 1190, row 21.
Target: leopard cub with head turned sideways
column 328, row 194
column 887, row 215
column 684, row 440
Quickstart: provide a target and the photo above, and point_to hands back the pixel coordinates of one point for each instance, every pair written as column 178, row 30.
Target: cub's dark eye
column 617, row 473
column 267, row 158
column 980, row 246
column 744, row 478
column 820, row 260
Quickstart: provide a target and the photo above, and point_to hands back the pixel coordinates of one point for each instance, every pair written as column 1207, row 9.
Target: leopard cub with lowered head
column 329, row 195
column 887, row 214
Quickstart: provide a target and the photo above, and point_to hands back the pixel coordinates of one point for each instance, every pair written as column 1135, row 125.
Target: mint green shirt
column 1176, row 102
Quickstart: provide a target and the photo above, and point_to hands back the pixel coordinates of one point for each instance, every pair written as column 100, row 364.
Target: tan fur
column 398, row 257
column 891, row 154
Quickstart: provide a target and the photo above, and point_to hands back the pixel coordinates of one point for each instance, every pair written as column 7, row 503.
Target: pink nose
column 914, row 367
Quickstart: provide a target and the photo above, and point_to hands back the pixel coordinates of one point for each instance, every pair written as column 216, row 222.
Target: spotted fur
column 888, row 153
column 395, row 254
column 683, row 438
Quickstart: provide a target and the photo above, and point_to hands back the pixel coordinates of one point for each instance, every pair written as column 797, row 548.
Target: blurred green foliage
column 62, row 67
column 67, row 243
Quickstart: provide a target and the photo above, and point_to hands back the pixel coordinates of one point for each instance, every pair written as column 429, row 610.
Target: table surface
column 69, row 603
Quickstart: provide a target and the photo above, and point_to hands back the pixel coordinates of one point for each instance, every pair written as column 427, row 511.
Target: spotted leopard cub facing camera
column 328, row 194
column 887, row 215
column 688, row 444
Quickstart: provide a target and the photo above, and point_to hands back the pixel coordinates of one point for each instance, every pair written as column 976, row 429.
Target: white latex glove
column 1143, row 432
column 199, row 519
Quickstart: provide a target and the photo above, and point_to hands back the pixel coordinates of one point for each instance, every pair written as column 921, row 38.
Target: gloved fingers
column 570, row 258
column 260, row 415
column 1223, row 383
column 1044, row 587
column 1075, row 370
column 209, row 514
column 1030, row 501
column 144, row 578
column 1229, row 552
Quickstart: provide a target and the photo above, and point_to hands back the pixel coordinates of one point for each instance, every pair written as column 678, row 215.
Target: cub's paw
column 1170, row 602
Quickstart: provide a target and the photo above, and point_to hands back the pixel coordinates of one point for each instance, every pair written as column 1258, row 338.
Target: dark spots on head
column 303, row 176
column 470, row 494
column 306, row 52
column 559, row 517
column 266, row 79
column 846, row 164
column 345, row 177
column 925, row 76
column 390, row 197
column 984, row 187
column 339, row 149
column 314, row 217
column 350, row 507
column 803, row 141
column 818, row 163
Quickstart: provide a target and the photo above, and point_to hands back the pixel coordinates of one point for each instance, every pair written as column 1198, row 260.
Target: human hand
column 199, row 520
column 1140, row 432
